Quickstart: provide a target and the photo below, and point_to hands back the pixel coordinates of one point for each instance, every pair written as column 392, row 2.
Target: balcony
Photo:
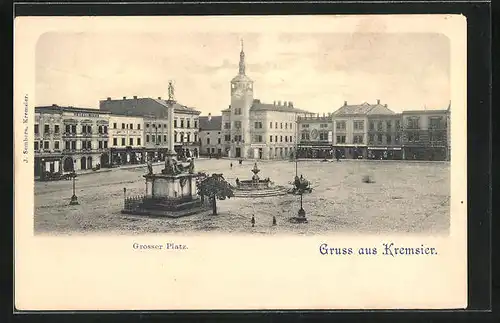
column 69, row 134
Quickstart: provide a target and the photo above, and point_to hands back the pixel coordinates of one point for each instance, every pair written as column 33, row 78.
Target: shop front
column 315, row 151
column 47, row 165
column 352, row 152
column 385, row 153
column 127, row 156
column 430, row 153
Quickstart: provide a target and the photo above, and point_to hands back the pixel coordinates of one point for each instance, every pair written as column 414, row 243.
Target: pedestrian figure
column 274, row 220
column 253, row 221
column 240, row 162
column 231, row 165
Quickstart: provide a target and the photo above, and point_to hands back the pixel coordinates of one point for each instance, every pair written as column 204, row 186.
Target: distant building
column 69, row 138
column 315, row 136
column 384, row 136
column 210, row 135
column 253, row 129
column 126, row 139
column 185, row 122
column 350, row 130
column 425, row 134
column 155, row 137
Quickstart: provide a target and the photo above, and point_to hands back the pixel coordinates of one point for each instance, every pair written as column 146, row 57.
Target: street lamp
column 74, row 198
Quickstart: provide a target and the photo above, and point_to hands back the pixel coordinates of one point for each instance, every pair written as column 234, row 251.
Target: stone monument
column 173, row 192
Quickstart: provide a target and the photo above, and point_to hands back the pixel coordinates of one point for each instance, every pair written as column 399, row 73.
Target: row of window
column 434, row 123
column 127, row 126
column 218, row 141
column 388, row 125
column 69, row 145
column 158, row 125
column 388, row 139
column 177, row 138
column 321, row 125
column 124, row 141
column 71, row 129
column 306, row 136
column 259, row 125
column 286, row 138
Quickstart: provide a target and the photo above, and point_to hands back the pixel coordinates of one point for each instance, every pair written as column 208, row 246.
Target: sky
column 317, row 72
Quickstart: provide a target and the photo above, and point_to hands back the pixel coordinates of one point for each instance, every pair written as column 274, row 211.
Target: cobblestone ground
column 407, row 197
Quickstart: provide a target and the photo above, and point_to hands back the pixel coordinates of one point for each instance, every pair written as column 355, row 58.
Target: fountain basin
column 262, row 192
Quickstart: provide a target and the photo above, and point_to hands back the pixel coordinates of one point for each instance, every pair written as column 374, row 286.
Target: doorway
column 83, row 163
column 238, row 152
column 260, row 153
column 68, row 164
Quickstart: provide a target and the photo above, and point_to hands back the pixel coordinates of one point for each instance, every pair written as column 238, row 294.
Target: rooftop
column 144, row 107
column 363, row 109
column 208, row 123
column 59, row 108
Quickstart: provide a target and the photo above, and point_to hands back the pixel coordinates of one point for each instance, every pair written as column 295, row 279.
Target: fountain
column 257, row 187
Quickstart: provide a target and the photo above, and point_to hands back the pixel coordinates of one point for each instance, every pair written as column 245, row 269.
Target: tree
column 214, row 187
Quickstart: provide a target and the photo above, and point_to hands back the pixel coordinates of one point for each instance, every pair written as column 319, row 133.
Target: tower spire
column 242, row 60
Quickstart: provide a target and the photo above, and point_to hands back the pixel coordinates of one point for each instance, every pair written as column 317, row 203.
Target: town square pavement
column 406, row 197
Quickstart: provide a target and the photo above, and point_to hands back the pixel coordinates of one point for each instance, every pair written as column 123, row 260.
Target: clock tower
column 241, row 102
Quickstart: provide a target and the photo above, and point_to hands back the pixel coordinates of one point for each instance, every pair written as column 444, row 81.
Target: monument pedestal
column 172, row 193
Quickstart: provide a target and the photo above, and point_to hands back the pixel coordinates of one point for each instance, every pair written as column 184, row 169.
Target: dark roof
column 210, row 123
column 58, row 108
column 259, row 106
column 363, row 109
column 143, row 107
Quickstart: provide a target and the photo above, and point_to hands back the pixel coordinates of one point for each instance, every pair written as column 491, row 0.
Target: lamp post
column 74, row 198
column 42, row 169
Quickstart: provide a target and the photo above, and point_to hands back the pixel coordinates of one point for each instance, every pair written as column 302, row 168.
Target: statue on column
column 171, row 90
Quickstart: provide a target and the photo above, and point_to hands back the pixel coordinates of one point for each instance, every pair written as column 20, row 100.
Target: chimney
column 209, row 117
column 124, row 97
column 285, row 103
column 159, row 98
column 274, row 103
column 378, row 101
column 290, row 104
column 279, row 102
column 135, row 97
column 109, row 99
column 385, row 105
column 345, row 103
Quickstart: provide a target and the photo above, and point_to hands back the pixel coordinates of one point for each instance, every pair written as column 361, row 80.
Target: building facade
column 315, row 136
column 126, row 139
column 425, row 135
column 257, row 130
column 384, row 136
column 210, row 133
column 70, row 138
column 186, row 127
column 155, row 137
column 350, row 127
column 156, row 123
column 374, row 131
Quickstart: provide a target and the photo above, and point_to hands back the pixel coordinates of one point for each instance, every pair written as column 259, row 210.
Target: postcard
column 240, row 162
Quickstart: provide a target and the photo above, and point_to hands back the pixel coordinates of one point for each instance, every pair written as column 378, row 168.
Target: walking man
column 253, row 221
